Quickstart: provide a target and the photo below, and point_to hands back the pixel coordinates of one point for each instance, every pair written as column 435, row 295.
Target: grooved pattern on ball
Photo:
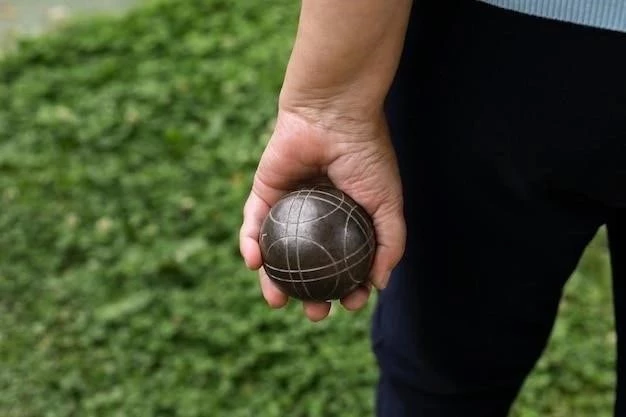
column 317, row 244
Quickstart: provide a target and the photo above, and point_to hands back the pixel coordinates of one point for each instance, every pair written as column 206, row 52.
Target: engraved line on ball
column 306, row 289
column 287, row 248
column 364, row 220
column 338, row 271
column 317, row 188
column 369, row 233
column 345, row 244
column 306, row 280
column 336, row 208
column 357, row 213
column 365, row 245
column 337, row 204
column 321, row 278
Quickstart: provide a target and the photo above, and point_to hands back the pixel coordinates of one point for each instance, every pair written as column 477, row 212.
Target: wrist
column 338, row 111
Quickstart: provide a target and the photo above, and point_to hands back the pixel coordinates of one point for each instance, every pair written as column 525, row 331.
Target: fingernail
column 384, row 280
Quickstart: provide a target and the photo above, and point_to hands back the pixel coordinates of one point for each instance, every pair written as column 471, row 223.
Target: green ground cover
column 126, row 150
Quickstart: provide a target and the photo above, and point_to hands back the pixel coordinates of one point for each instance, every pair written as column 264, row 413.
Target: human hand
column 357, row 157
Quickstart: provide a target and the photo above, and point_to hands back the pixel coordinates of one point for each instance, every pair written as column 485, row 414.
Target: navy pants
column 511, row 137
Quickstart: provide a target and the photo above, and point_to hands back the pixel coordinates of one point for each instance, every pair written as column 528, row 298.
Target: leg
column 470, row 308
column 498, row 212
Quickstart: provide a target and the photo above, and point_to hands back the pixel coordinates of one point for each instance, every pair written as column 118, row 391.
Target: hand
column 357, row 157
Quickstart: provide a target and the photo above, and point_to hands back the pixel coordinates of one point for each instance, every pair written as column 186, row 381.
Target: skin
column 330, row 125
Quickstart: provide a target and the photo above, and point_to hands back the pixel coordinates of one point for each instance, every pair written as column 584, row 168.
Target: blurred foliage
column 127, row 146
column 575, row 377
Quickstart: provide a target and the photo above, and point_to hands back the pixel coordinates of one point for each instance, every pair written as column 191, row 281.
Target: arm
column 331, row 124
column 344, row 57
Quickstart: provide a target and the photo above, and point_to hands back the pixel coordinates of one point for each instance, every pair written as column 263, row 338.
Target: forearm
column 345, row 56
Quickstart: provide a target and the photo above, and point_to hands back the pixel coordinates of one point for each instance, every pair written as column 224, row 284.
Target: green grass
column 126, row 150
column 575, row 377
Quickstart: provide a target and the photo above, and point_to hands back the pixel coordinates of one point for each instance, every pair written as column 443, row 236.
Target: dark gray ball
column 317, row 244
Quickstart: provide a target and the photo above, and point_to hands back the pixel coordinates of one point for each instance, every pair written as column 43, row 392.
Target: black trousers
column 511, row 137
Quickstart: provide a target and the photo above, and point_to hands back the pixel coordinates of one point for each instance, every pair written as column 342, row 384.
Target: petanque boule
column 317, row 244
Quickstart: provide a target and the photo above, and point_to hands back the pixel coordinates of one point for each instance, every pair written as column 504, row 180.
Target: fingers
column 316, row 311
column 274, row 297
column 357, row 299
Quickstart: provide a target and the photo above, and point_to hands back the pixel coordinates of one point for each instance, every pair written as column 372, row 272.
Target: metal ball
column 317, row 244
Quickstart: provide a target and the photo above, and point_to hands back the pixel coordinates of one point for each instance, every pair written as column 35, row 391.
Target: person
column 487, row 139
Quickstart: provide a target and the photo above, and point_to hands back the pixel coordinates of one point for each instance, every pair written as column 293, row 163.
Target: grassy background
column 126, row 150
